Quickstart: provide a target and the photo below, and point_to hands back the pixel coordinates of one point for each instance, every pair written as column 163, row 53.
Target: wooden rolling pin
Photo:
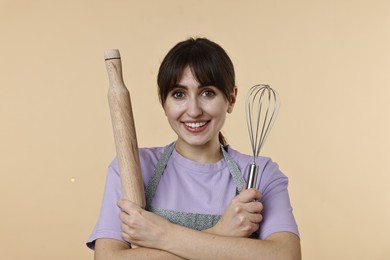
column 124, row 131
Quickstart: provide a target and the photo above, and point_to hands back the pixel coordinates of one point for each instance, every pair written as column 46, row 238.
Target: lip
column 196, row 129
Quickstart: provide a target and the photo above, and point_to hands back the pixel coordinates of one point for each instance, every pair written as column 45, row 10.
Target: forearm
column 191, row 244
column 152, row 231
column 108, row 249
column 143, row 253
column 201, row 245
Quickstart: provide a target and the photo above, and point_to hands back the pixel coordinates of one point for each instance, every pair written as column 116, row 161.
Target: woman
column 197, row 203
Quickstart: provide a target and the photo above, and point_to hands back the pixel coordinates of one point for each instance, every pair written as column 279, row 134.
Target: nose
column 194, row 108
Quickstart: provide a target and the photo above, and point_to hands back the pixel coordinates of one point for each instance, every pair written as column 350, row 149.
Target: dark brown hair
column 208, row 62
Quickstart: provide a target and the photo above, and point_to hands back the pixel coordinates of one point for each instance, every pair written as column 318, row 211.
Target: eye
column 208, row 93
column 178, row 94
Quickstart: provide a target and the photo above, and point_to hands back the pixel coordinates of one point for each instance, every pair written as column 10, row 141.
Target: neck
column 207, row 153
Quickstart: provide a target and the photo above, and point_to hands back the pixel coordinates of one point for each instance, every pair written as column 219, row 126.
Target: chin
column 196, row 142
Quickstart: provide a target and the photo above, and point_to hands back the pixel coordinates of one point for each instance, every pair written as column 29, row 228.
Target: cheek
column 168, row 112
column 218, row 109
column 172, row 111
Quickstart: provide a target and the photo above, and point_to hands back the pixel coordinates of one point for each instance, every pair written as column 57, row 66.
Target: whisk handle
column 252, row 176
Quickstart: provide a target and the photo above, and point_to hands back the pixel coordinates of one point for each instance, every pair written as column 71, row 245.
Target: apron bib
column 195, row 221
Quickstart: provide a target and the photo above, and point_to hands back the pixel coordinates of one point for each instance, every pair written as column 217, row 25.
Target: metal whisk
column 261, row 108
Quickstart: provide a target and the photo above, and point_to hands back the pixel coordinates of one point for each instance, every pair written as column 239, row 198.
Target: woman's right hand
column 242, row 216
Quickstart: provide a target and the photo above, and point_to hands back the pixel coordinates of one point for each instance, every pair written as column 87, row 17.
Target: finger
column 249, row 228
column 126, row 205
column 255, row 218
column 254, row 207
column 125, row 229
column 123, row 216
column 125, row 236
column 249, row 195
column 121, row 203
column 254, row 227
column 261, row 195
column 245, row 187
column 134, row 245
column 128, row 238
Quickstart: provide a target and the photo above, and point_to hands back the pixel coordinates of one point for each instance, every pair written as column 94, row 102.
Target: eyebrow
column 199, row 87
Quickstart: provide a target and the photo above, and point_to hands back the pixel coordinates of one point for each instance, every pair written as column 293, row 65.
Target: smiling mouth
column 195, row 125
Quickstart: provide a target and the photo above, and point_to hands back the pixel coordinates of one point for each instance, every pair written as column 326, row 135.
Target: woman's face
column 195, row 112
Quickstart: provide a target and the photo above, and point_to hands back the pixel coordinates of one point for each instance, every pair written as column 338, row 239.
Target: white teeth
column 195, row 125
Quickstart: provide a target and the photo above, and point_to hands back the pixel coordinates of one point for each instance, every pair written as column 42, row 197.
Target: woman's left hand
column 242, row 216
column 141, row 227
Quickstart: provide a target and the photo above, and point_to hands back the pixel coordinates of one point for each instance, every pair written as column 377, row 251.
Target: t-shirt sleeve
column 108, row 224
column 277, row 213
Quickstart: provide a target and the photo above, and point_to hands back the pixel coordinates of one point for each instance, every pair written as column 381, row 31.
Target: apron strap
column 158, row 171
column 234, row 171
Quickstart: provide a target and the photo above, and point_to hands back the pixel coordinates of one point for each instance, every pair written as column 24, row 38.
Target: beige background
column 329, row 61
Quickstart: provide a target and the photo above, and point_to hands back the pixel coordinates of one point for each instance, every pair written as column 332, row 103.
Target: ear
column 232, row 101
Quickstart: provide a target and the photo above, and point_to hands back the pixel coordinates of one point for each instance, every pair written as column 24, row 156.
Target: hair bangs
column 208, row 62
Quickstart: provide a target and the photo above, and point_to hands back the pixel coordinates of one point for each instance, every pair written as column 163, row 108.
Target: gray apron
column 195, row 221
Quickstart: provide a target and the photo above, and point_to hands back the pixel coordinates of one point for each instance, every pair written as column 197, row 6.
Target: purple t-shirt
column 189, row 186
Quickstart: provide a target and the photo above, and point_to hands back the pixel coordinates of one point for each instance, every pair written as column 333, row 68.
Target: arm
column 281, row 245
column 108, row 249
column 199, row 245
column 146, row 229
column 241, row 218
column 195, row 245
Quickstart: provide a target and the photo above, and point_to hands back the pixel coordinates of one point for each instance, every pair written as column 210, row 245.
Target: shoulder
column 244, row 160
column 269, row 171
column 151, row 154
column 239, row 158
column 148, row 156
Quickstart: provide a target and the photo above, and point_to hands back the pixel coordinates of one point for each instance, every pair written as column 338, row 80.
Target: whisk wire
column 261, row 107
column 267, row 127
column 260, row 141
